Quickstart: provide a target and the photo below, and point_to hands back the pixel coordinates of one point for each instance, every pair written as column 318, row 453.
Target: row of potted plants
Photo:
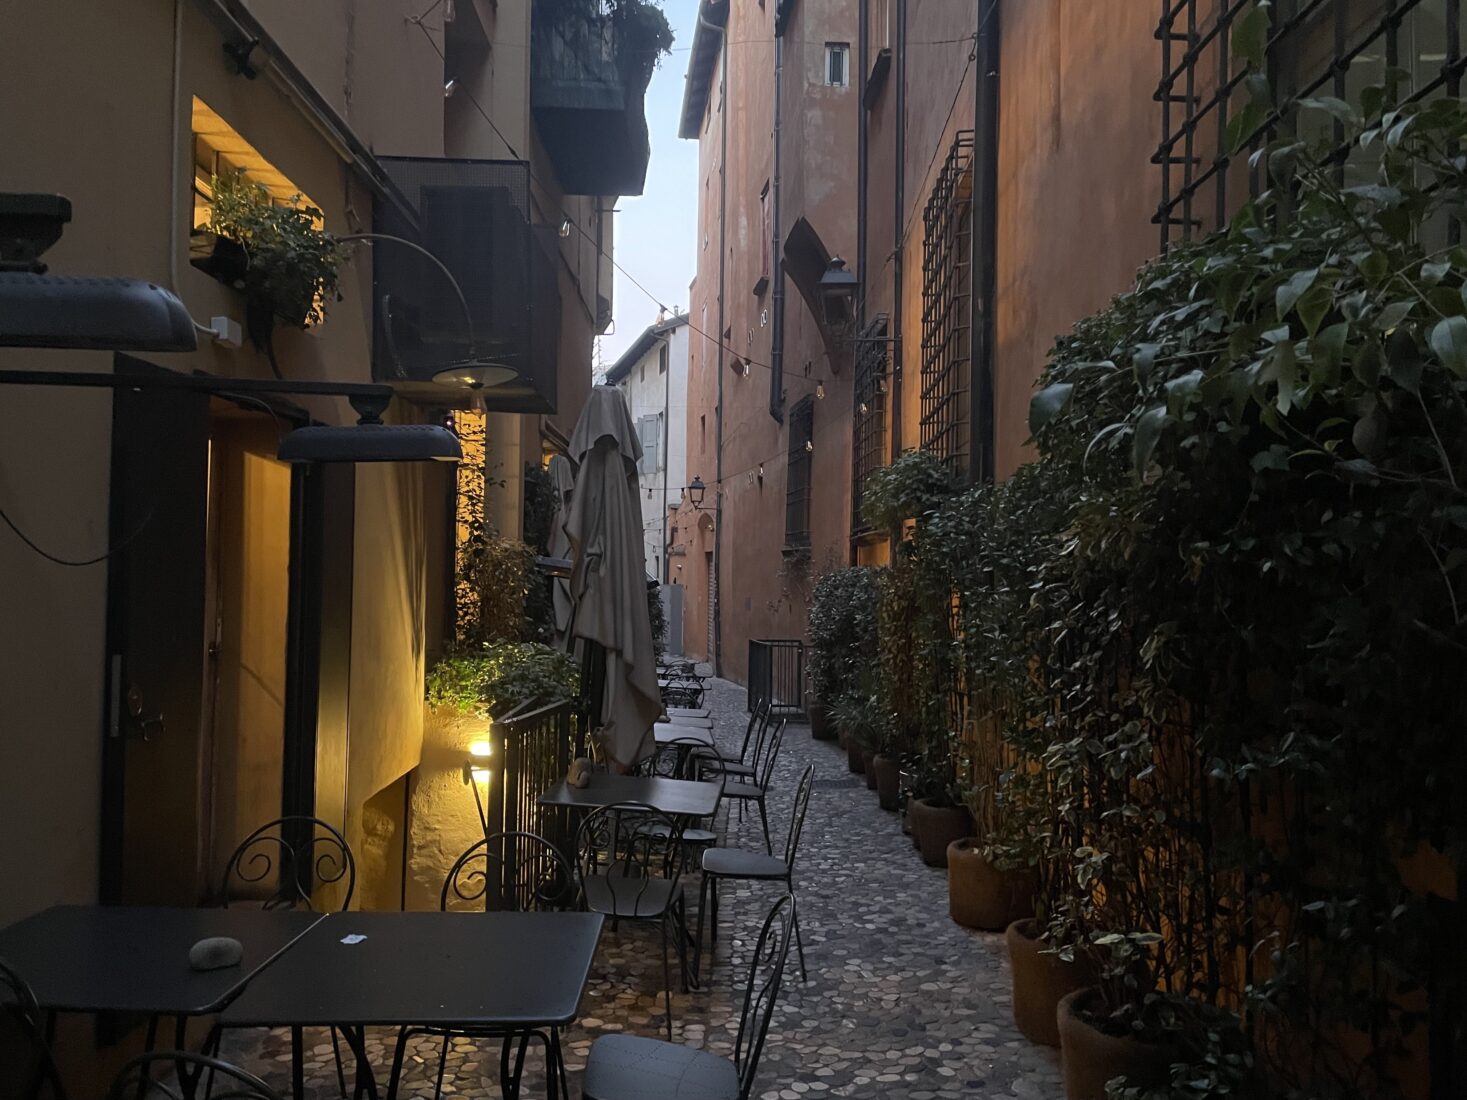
column 1192, row 672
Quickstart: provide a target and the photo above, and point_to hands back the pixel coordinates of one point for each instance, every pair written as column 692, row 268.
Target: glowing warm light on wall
column 480, row 775
column 481, row 750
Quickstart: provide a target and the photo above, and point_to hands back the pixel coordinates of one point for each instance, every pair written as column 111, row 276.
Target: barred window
column 868, row 420
column 797, row 475
column 1315, row 47
column 946, row 309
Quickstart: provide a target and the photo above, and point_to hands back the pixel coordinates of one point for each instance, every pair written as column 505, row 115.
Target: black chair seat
column 743, row 790
column 626, row 896
column 739, row 863
column 628, row 1067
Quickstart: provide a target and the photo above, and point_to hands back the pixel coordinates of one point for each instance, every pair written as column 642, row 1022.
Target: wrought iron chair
column 676, row 759
column 505, row 872
column 302, row 853
column 222, row 1080
column 305, row 851
column 628, row 870
column 757, row 790
column 629, row 1067
column 743, row 764
column 739, row 863
column 18, row 1004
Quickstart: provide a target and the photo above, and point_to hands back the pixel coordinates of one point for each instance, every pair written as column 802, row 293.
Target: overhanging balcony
column 473, row 216
column 588, row 79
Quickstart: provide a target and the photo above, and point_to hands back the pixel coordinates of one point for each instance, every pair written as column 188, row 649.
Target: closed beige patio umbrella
column 562, row 481
column 609, row 575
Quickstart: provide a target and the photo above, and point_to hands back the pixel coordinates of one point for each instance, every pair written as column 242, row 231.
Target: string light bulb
column 863, row 408
column 819, row 391
column 809, row 445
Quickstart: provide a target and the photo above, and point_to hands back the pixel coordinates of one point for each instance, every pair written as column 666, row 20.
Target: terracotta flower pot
column 981, row 896
column 936, row 827
column 868, row 765
column 820, row 727
column 1089, row 1057
column 1041, row 981
column 854, row 762
column 888, row 781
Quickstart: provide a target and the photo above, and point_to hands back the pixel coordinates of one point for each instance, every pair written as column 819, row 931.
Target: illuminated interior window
column 218, row 148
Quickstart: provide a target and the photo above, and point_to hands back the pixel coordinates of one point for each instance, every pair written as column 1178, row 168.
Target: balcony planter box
column 888, row 777
column 1041, row 982
column 1089, row 1057
column 936, row 827
column 868, row 766
column 981, row 896
column 220, row 258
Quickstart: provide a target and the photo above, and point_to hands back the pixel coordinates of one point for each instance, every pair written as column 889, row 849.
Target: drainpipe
column 898, row 355
column 863, row 48
column 776, row 372
column 717, row 609
column 666, row 457
column 984, row 238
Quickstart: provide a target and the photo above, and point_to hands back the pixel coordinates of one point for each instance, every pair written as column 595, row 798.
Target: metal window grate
column 1315, row 47
column 797, row 474
column 946, row 314
column 868, row 420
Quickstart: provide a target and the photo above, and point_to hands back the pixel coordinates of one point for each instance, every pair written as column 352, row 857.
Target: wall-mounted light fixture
column 477, row 774
column 449, row 88
column 565, row 227
column 695, row 493
column 838, row 296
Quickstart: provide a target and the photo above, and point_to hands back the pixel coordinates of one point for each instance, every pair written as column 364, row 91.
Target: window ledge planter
column 981, row 896
column 1089, row 1057
column 219, row 258
column 1041, row 982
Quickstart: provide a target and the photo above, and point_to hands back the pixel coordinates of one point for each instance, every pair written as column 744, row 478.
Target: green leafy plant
column 495, row 678
column 861, row 715
column 293, row 263
column 495, row 581
column 913, row 485
column 842, row 631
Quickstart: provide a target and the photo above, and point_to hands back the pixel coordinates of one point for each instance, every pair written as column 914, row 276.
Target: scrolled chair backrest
column 629, row 845
column 302, row 852
column 509, row 872
column 797, row 815
column 221, row 1080
column 18, row 1003
column 766, row 975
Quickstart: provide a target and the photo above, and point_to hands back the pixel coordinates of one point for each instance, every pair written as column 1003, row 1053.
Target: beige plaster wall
column 444, row 818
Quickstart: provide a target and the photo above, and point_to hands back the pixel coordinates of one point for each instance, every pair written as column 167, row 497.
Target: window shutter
column 647, row 435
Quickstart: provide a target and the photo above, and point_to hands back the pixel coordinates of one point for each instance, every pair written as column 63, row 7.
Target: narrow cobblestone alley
column 901, row 1002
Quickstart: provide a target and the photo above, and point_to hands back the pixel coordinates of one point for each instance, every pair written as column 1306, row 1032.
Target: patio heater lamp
column 695, row 493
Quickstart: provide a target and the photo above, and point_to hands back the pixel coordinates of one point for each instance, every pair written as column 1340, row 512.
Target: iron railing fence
column 531, row 751
column 868, row 420
column 777, row 675
column 1315, row 47
column 947, row 282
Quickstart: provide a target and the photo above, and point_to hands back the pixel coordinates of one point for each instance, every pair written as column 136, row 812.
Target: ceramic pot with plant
column 936, row 809
column 854, row 757
column 982, row 895
column 887, row 772
column 1042, row 978
column 820, row 726
column 868, row 768
column 1090, row 1056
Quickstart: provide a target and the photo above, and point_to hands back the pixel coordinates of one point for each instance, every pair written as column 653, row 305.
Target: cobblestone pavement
column 901, row 1002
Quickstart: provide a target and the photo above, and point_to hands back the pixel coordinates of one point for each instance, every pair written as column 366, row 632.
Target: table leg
column 356, row 1038
column 297, row 1064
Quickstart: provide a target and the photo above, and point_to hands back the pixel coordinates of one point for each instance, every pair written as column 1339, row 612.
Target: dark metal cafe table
column 93, row 958
column 668, row 732
column 450, row 970
column 676, row 797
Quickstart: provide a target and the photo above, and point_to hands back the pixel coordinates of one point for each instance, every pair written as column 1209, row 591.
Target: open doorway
column 247, row 613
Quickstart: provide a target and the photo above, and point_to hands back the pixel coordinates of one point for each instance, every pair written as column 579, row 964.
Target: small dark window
column 837, row 64
column 797, row 475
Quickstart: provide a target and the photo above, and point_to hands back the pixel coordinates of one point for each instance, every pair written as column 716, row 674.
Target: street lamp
column 695, row 493
column 838, row 296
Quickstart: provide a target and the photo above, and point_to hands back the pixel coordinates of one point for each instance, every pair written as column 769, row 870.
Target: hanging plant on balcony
column 291, row 262
column 642, row 33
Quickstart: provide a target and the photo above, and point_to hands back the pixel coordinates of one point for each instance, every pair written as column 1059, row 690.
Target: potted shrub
column 937, row 811
column 842, row 642
column 290, row 262
column 989, row 884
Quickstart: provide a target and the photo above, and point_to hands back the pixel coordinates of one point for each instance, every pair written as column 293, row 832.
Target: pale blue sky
column 655, row 232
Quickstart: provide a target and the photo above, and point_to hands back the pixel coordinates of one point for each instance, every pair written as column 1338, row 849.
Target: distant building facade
column 653, row 375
